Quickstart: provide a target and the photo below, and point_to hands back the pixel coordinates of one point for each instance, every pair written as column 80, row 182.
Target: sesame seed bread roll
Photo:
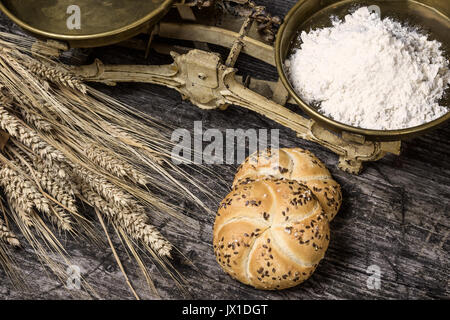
column 295, row 164
column 270, row 234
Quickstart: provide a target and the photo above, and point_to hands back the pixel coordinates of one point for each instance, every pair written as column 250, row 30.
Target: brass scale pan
column 107, row 22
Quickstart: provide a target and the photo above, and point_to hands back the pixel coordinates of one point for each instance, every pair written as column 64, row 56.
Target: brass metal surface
column 102, row 22
column 432, row 16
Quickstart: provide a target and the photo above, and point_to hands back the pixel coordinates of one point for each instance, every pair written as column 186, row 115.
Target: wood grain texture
column 395, row 214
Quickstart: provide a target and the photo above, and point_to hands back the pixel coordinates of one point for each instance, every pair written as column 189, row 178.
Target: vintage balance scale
column 202, row 77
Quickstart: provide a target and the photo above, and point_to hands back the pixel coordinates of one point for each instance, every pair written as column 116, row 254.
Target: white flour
column 371, row 73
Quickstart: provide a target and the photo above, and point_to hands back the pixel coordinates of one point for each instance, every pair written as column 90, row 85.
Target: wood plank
column 395, row 214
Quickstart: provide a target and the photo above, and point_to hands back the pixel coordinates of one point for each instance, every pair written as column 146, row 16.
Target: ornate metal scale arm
column 201, row 78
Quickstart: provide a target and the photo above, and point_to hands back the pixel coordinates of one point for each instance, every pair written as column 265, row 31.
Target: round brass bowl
column 433, row 16
column 102, row 22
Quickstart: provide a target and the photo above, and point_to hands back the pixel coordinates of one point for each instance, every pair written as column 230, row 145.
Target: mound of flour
column 371, row 73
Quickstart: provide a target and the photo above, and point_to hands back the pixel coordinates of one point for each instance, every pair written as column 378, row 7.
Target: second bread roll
column 294, row 164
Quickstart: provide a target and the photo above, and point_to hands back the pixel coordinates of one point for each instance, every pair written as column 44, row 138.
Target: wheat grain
column 135, row 224
column 113, row 164
column 7, row 236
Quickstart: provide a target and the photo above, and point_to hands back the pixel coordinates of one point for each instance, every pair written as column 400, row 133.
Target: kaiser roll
column 294, row 164
column 270, row 233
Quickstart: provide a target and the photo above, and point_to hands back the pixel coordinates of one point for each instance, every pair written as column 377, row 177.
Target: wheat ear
column 135, row 224
column 29, row 138
column 60, row 217
column 105, row 188
column 39, row 105
column 14, row 189
column 23, row 196
column 60, row 189
column 7, row 236
column 36, row 120
column 56, row 75
column 30, row 111
column 111, row 163
column 47, row 179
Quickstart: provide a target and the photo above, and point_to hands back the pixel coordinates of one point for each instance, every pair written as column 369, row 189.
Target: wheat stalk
column 128, row 139
column 57, row 166
column 136, row 224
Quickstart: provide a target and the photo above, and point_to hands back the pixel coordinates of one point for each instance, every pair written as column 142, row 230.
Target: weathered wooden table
column 395, row 215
